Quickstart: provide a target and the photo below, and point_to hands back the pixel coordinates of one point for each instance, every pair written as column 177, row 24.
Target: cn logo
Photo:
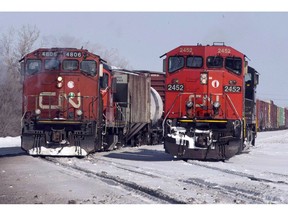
column 215, row 83
column 42, row 105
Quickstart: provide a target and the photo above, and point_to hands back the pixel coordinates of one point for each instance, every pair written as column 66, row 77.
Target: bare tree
column 13, row 45
column 27, row 36
column 113, row 58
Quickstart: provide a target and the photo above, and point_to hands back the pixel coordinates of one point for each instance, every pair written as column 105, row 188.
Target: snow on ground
column 6, row 142
column 270, row 151
column 269, row 145
column 267, row 160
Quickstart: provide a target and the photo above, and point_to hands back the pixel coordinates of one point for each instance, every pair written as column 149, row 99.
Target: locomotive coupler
column 58, row 136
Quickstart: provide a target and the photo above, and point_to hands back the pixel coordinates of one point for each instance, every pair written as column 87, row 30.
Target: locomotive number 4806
column 175, row 87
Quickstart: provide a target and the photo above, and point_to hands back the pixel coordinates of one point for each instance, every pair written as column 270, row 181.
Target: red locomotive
column 209, row 102
column 75, row 104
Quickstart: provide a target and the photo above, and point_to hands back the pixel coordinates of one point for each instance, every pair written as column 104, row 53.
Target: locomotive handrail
column 194, row 102
column 22, row 119
column 63, row 106
column 121, row 113
column 163, row 123
column 91, row 105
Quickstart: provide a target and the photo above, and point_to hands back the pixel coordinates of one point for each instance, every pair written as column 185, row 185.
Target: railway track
column 241, row 174
column 137, row 170
column 178, row 189
column 258, row 190
column 147, row 175
column 154, row 194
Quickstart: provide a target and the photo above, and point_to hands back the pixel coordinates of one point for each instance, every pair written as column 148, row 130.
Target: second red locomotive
column 209, row 102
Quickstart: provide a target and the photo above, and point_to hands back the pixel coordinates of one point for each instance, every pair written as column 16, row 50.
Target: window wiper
column 233, row 70
column 52, row 68
column 86, row 73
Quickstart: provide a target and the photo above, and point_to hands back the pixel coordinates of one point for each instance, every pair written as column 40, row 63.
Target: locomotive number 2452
column 232, row 89
column 175, row 87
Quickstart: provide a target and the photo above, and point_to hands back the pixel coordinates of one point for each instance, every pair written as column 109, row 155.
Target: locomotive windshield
column 33, row 66
column 175, row 63
column 88, row 67
column 214, row 62
column 194, row 61
column 52, row 64
column 234, row 64
column 178, row 62
column 70, row 65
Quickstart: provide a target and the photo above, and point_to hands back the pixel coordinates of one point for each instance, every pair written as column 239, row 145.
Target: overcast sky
column 141, row 37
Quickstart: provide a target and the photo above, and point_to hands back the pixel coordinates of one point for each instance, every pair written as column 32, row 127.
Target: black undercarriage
column 203, row 140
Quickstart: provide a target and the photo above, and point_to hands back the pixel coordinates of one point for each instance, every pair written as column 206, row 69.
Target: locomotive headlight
column 189, row 104
column 60, row 82
column 79, row 112
column 37, row 111
column 59, row 85
column 204, row 78
column 216, row 105
column 59, row 79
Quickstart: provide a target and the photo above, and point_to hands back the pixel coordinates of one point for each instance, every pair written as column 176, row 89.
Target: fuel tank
column 156, row 109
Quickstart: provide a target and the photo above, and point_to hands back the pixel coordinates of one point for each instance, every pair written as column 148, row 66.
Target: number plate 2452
column 232, row 89
column 175, row 87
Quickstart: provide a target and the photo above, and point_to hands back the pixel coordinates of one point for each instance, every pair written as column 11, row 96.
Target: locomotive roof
column 187, row 49
column 55, row 49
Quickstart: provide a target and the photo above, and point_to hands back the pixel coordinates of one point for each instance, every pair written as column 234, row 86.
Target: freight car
column 270, row 116
column 210, row 104
column 75, row 104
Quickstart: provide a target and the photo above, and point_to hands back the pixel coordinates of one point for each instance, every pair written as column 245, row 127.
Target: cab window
column 70, row 65
column 88, row 67
column 33, row 66
column 214, row 62
column 175, row 63
column 52, row 64
column 233, row 64
column 194, row 61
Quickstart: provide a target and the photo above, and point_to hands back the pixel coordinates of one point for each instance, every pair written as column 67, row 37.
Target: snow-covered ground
column 261, row 172
column 270, row 152
column 6, row 142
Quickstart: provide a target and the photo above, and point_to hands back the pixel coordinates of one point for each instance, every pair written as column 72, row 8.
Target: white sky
column 142, row 31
